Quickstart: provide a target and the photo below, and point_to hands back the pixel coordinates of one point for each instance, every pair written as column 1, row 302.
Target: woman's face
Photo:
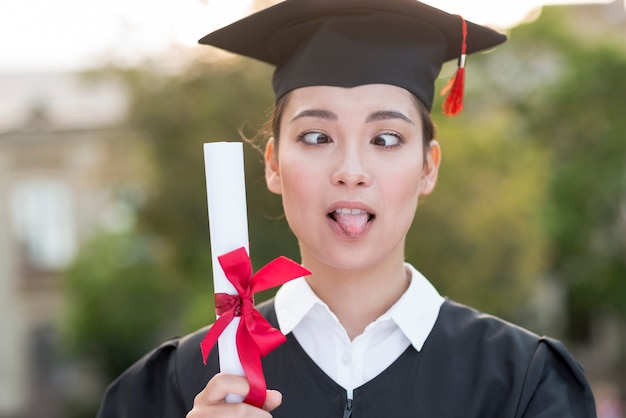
column 350, row 169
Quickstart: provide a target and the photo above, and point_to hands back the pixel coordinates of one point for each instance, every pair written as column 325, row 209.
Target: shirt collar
column 415, row 313
column 294, row 300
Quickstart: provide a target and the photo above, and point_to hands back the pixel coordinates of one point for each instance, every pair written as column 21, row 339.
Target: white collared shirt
column 352, row 363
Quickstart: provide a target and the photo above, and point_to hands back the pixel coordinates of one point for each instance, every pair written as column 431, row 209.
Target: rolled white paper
column 228, row 226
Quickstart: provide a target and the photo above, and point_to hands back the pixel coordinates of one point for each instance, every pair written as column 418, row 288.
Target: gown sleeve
column 149, row 388
column 163, row 383
column 555, row 385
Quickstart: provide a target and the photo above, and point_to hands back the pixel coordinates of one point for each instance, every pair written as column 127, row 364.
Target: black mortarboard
column 353, row 42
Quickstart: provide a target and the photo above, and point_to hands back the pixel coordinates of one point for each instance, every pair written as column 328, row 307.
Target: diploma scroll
column 228, row 226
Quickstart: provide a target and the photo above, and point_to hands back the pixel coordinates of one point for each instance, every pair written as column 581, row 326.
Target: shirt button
column 346, row 359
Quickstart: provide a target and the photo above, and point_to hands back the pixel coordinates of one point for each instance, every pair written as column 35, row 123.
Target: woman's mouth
column 352, row 222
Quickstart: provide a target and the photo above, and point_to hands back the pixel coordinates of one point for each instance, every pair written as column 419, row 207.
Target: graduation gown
column 472, row 366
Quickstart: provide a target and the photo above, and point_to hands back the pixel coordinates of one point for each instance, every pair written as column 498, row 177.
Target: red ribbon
column 255, row 336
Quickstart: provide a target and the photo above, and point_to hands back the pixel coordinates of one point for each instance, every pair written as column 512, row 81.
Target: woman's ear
column 431, row 168
column 272, row 175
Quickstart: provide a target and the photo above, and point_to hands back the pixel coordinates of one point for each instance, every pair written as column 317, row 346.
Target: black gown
column 472, row 366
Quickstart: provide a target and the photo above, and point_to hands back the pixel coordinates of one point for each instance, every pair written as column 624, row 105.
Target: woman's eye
column 314, row 138
column 387, row 140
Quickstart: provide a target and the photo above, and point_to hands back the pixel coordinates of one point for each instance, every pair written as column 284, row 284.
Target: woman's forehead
column 365, row 98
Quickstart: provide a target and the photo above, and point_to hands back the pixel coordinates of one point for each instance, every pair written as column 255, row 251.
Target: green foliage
column 119, row 300
column 176, row 115
column 582, row 123
column 478, row 237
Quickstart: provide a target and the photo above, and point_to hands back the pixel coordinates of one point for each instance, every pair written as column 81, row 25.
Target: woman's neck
column 359, row 297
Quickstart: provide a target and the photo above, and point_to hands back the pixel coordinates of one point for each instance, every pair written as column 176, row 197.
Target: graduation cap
column 349, row 43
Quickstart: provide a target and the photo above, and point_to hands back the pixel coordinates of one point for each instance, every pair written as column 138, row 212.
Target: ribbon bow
column 255, row 336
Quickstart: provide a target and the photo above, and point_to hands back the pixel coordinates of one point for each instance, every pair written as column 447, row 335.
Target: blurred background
column 104, row 248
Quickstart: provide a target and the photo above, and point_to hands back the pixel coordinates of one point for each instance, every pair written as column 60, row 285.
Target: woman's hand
column 211, row 403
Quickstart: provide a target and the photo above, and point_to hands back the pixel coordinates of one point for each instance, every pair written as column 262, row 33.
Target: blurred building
column 59, row 167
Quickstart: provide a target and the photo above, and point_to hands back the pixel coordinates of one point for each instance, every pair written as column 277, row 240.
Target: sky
column 68, row 35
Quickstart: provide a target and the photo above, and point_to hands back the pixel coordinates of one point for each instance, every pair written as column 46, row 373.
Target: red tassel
column 456, row 86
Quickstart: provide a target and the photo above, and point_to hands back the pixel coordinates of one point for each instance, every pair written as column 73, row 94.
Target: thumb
column 273, row 400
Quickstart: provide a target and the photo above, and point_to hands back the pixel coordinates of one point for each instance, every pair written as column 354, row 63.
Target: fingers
column 211, row 401
column 221, row 385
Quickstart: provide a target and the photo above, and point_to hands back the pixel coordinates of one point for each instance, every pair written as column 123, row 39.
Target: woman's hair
column 272, row 127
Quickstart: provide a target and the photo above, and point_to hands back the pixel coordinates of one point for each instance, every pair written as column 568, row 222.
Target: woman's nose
column 350, row 169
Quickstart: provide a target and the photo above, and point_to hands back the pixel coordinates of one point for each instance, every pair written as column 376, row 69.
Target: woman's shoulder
column 467, row 333
column 462, row 321
column 539, row 369
column 470, row 330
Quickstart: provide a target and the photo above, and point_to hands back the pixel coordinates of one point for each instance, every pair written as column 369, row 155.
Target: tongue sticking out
column 352, row 225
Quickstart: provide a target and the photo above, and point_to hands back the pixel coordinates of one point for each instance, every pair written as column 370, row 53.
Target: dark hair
column 272, row 128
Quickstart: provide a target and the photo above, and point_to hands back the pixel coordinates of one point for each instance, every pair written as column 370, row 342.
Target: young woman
column 352, row 152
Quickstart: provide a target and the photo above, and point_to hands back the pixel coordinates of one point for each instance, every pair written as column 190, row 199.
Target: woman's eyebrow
column 387, row 114
column 317, row 113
